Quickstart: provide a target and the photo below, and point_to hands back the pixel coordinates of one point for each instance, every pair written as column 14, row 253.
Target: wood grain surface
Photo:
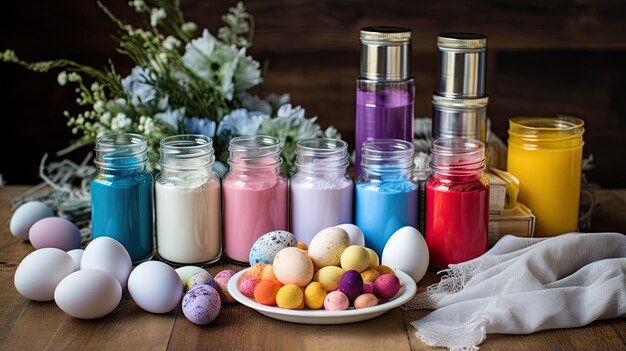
column 28, row 325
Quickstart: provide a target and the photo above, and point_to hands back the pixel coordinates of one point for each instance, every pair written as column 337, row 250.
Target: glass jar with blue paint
column 121, row 194
column 386, row 194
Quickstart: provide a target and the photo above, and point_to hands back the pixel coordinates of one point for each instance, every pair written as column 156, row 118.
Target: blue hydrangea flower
column 171, row 117
column 239, row 122
column 136, row 88
column 203, row 126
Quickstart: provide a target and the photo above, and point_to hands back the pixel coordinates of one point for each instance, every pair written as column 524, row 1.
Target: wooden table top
column 29, row 325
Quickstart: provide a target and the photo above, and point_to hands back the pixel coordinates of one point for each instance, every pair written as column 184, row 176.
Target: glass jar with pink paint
column 254, row 194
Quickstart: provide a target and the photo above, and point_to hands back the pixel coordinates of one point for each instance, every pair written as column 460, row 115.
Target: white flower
column 189, row 27
column 105, row 118
column 62, row 78
column 98, row 106
column 74, row 77
column 156, row 16
column 247, row 73
column 162, row 57
column 120, row 122
column 171, row 43
column 138, row 5
column 146, row 125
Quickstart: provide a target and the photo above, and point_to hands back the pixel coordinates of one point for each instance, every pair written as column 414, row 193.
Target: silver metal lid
column 462, row 41
column 460, row 102
column 385, row 53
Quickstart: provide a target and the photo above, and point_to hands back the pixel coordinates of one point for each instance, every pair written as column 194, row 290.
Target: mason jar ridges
column 321, row 192
column 188, row 201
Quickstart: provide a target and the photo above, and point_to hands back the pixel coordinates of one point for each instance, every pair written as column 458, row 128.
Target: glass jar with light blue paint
column 386, row 195
column 121, row 194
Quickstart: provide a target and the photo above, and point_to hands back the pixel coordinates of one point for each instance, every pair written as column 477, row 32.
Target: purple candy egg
column 200, row 278
column 386, row 286
column 201, row 304
column 351, row 284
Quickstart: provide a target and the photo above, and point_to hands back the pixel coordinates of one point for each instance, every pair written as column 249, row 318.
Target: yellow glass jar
column 545, row 154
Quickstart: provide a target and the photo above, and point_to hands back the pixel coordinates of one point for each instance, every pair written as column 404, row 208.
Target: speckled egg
column 247, row 286
column 202, row 277
column 201, row 304
column 221, row 282
column 327, row 246
column 351, row 284
column 267, row 246
column 386, row 286
column 293, row 266
column 336, row 301
column 365, row 300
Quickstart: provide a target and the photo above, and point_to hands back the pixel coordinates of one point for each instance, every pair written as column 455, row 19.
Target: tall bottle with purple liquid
column 385, row 91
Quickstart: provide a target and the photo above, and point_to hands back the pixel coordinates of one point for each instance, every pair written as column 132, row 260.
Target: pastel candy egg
column 374, row 260
column 54, row 232
column 382, row 269
column 329, row 277
column 351, row 284
column 268, row 245
column 265, row 292
column 336, row 301
column 365, row 300
column 255, row 271
column 201, row 304
column 327, row 246
column 26, row 215
column 386, row 286
column 314, row 296
column 368, row 288
column 268, row 273
column 302, row 246
column 221, row 282
column 247, row 286
column 355, row 257
column 290, row 297
column 200, row 278
column 370, row 275
column 293, row 266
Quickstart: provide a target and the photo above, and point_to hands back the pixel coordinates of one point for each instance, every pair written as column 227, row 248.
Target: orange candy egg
column 265, row 292
column 268, row 273
column 255, row 271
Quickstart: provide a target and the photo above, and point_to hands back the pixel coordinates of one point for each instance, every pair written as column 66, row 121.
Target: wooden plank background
column 544, row 58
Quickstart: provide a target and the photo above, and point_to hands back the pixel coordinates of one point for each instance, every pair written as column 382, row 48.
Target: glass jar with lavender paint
column 320, row 191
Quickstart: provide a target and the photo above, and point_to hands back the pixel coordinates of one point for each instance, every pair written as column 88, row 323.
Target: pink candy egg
column 221, row 280
column 368, row 288
column 54, row 232
column 365, row 300
column 247, row 286
column 386, row 286
column 336, row 301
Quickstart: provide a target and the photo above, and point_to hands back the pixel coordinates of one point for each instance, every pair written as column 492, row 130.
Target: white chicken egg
column 155, row 287
column 88, row 294
column 27, row 215
column 407, row 251
column 187, row 272
column 108, row 255
column 76, row 255
column 40, row 272
column 355, row 233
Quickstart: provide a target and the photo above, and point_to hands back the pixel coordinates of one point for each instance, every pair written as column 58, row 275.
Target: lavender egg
column 201, row 304
column 267, row 246
column 202, row 277
column 351, row 284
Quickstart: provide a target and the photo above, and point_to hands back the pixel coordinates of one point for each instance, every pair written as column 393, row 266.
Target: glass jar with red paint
column 457, row 202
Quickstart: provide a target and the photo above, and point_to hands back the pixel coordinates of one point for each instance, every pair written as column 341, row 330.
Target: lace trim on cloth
column 463, row 337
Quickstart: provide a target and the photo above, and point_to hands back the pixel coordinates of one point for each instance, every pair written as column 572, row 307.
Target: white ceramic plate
column 407, row 291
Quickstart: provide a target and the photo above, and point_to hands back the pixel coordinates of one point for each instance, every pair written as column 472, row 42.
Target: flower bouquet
column 180, row 84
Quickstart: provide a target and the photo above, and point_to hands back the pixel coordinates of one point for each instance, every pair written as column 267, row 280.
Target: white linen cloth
column 523, row 285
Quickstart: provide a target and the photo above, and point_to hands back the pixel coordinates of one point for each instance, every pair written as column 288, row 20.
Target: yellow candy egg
column 329, row 277
column 355, row 257
column 314, row 296
column 369, row 275
column 289, row 296
column 302, row 246
column 293, row 266
column 382, row 269
column 374, row 260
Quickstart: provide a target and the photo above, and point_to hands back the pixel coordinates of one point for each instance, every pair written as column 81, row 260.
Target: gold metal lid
column 460, row 102
column 462, row 41
column 386, row 34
